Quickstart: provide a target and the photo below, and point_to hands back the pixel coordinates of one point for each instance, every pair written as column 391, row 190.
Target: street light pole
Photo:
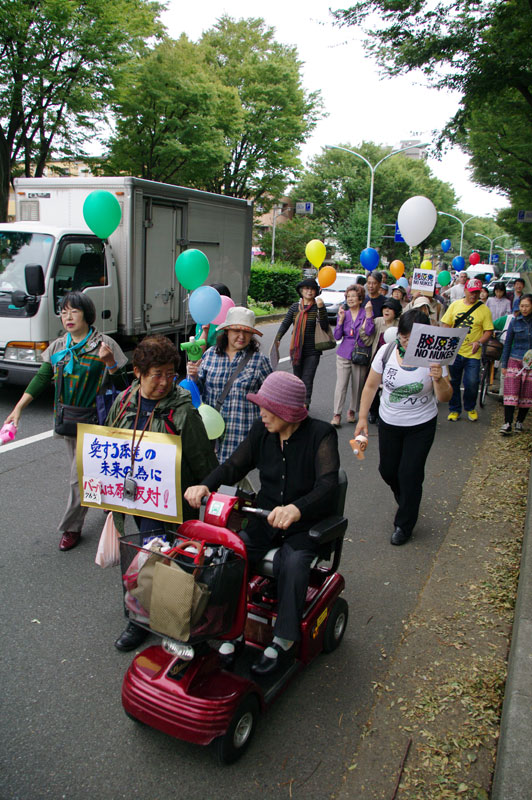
column 272, row 259
column 462, row 224
column 491, row 241
column 372, row 171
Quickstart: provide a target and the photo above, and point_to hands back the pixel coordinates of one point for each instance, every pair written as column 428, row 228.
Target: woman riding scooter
column 298, row 461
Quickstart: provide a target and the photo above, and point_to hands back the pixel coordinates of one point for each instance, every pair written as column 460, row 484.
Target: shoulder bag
column 67, row 417
column 323, row 340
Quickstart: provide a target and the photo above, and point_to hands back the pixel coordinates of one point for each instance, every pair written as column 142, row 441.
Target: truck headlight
column 25, row 352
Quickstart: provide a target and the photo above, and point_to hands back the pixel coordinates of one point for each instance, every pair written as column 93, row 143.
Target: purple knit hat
column 284, row 395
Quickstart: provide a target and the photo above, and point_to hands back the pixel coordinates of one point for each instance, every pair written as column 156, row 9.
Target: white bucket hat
column 240, row 318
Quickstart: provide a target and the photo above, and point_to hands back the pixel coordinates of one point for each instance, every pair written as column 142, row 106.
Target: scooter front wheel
column 235, row 742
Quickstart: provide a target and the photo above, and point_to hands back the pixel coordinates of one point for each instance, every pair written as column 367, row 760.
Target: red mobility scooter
column 181, row 687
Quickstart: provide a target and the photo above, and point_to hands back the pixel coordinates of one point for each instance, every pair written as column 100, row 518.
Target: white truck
column 130, row 277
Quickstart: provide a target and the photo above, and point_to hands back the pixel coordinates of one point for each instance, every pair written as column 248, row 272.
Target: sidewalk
column 433, row 730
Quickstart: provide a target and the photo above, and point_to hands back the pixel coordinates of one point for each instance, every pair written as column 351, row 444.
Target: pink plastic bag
column 108, row 554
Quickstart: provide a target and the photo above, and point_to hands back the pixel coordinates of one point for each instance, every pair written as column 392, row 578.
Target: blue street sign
column 495, row 258
column 398, row 237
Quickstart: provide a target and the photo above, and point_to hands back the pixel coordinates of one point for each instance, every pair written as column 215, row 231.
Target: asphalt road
column 64, row 733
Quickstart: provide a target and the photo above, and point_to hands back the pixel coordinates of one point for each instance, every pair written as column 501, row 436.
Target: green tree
column 291, row 238
column 351, row 231
column 278, row 114
column 479, row 48
column 57, row 61
column 174, row 117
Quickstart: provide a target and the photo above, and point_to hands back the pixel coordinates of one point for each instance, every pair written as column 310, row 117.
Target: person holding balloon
column 77, row 361
column 155, row 402
column 354, row 326
column 228, row 372
column 304, row 316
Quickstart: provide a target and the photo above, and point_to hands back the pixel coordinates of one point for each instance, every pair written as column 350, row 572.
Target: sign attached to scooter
column 216, row 508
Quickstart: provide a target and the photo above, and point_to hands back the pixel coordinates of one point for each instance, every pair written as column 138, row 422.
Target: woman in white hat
column 230, row 370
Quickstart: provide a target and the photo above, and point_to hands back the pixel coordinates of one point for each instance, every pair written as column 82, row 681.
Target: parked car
column 334, row 295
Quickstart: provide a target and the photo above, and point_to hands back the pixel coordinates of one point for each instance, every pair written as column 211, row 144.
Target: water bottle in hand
column 8, row 432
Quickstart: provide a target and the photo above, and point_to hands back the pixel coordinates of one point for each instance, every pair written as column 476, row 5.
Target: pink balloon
column 227, row 303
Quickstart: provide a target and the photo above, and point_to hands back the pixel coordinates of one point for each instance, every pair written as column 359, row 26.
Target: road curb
column 514, row 753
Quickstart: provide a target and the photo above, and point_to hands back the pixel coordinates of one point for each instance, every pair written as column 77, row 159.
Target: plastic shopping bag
column 108, row 554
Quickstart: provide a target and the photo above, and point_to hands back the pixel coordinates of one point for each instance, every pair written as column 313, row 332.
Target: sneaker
column 472, row 415
column 519, row 427
column 337, row 421
column 506, row 429
column 453, row 416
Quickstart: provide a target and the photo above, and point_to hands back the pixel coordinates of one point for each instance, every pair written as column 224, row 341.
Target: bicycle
column 491, row 352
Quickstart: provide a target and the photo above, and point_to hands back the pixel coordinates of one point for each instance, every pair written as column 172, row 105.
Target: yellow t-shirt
column 478, row 322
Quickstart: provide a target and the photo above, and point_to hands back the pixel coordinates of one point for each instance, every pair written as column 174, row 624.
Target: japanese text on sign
column 429, row 344
column 104, row 462
column 424, row 281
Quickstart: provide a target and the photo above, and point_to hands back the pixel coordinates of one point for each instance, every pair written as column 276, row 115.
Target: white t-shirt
column 457, row 292
column 407, row 392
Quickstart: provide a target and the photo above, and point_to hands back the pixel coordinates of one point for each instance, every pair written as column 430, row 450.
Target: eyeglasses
column 160, row 376
column 65, row 312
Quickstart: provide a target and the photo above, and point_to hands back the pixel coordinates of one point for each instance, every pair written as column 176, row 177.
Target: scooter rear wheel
column 235, row 742
column 336, row 625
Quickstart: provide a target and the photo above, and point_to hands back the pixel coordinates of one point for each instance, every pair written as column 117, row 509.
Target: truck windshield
column 18, row 249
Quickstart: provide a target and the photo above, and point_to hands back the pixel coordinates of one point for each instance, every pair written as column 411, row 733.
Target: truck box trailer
column 130, row 277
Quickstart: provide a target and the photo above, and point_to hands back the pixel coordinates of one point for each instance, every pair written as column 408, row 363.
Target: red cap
column 474, row 285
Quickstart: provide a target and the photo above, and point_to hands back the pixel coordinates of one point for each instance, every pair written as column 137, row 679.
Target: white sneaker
column 506, row 429
column 519, row 427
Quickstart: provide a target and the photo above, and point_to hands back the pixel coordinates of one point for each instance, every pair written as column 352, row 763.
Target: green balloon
column 192, row 269
column 102, row 213
column 444, row 277
column 212, row 420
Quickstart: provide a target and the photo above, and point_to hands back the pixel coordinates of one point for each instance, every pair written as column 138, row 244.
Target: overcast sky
column 360, row 106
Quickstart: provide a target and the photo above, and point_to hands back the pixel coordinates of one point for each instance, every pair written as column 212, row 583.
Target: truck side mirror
column 19, row 298
column 34, row 276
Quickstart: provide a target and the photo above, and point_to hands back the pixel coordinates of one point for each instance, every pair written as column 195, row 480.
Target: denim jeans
column 469, row 370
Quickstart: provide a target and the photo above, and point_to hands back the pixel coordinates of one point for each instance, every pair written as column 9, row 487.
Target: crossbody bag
column 227, row 388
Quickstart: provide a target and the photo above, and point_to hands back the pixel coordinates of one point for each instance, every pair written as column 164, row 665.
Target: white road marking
column 29, row 440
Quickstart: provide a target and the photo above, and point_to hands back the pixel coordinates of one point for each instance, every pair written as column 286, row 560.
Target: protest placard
column 424, row 281
column 429, row 344
column 104, row 461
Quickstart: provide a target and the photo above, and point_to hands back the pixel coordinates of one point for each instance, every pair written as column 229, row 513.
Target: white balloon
column 390, row 335
column 416, row 219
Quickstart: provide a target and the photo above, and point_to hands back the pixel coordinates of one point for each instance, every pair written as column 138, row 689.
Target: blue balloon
column 369, row 258
column 458, row 263
column 446, row 245
column 194, row 391
column 204, row 304
column 403, row 282
column 488, row 276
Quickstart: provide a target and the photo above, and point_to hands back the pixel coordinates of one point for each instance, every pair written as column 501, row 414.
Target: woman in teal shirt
column 85, row 355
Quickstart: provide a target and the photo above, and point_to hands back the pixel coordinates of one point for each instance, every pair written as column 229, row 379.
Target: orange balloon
column 326, row 276
column 397, row 268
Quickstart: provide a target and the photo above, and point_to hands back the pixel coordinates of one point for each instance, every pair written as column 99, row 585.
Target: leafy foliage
column 276, row 284
column 57, row 62
column 174, row 117
column 278, row 114
column 291, row 238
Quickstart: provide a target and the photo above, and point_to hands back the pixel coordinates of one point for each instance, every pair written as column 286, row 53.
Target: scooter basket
column 174, row 596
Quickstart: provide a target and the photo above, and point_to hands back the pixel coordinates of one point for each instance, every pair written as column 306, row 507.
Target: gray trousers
column 74, row 512
column 346, row 371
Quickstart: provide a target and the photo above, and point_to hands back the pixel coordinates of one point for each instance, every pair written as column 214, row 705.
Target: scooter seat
column 265, row 567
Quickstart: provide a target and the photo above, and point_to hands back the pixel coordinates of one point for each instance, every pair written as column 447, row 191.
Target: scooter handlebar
column 258, row 512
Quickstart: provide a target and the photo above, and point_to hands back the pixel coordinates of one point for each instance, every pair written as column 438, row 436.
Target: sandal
column 337, row 421
column 351, row 416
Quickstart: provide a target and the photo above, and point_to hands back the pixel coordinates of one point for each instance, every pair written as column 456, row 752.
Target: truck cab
column 69, row 260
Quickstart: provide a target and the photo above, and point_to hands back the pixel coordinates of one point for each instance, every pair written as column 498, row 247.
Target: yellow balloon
column 426, row 264
column 315, row 252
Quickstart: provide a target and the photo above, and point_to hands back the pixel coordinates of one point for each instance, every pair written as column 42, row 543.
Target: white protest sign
column 104, row 460
column 429, row 344
column 424, row 281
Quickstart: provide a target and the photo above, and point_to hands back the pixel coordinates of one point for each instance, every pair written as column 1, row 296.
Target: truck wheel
column 235, row 742
column 336, row 625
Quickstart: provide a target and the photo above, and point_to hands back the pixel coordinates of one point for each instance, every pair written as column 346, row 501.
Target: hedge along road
column 64, row 733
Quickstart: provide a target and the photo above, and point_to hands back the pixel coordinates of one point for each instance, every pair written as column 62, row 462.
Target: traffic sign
column 495, row 258
column 398, row 237
column 304, row 208
column 524, row 216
